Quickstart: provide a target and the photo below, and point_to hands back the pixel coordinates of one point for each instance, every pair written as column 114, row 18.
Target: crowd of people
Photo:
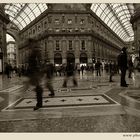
column 37, row 69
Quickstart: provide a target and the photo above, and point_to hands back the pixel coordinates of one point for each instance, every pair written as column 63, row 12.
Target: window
column 82, row 21
column 69, row 29
column 70, row 45
column 57, row 29
column 82, row 29
column 63, row 19
column 50, row 19
column 63, row 30
column 39, row 28
column 75, row 19
column 57, row 45
column 50, row 29
column 57, row 22
column 33, row 31
column 69, row 21
column 83, row 45
column 76, row 29
column 29, row 33
column 45, row 24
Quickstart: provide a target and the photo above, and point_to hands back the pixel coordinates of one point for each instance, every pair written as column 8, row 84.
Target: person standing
column 98, row 67
column 82, row 69
column 122, row 64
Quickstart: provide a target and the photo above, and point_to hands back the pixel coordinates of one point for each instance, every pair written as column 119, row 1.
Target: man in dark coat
column 122, row 64
column 98, row 67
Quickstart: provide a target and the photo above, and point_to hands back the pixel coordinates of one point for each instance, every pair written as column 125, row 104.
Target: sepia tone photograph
column 70, row 67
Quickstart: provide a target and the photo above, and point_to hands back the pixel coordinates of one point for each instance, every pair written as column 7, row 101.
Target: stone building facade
column 11, row 53
column 135, row 20
column 3, row 23
column 70, row 32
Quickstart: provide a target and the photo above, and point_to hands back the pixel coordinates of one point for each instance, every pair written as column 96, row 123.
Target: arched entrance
column 83, row 58
column 70, row 58
column 57, row 59
column 11, row 50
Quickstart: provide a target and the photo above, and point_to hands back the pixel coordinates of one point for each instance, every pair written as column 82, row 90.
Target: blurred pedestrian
column 35, row 70
column 49, row 71
column 8, row 70
column 70, row 72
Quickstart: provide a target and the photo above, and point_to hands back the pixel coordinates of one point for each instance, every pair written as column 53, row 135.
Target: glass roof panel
column 27, row 10
column 31, row 16
column 117, row 17
column 32, row 5
column 23, row 13
column 27, row 20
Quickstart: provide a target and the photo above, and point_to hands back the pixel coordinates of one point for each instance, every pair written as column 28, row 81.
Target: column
column 77, row 50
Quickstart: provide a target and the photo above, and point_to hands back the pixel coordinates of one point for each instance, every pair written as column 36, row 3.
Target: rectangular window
column 70, row 45
column 33, row 31
column 63, row 30
column 63, row 19
column 57, row 22
column 45, row 24
column 83, row 45
column 50, row 19
column 75, row 19
column 82, row 21
column 82, row 29
column 69, row 30
column 39, row 28
column 69, row 21
column 57, row 29
column 57, row 45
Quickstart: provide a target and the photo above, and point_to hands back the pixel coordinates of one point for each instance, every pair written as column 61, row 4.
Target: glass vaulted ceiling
column 116, row 16
column 22, row 14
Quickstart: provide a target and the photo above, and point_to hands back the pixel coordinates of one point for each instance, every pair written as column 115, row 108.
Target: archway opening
column 83, row 59
column 70, row 58
column 11, row 50
column 57, row 59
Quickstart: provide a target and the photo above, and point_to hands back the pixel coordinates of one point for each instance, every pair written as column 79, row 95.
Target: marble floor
column 96, row 105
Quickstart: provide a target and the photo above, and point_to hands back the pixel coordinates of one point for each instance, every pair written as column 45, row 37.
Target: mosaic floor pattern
column 16, row 87
column 65, row 101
